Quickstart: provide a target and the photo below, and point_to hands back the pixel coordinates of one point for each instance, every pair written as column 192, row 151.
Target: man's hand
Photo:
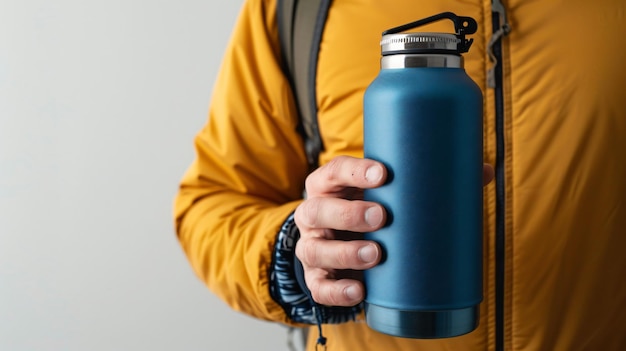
column 330, row 221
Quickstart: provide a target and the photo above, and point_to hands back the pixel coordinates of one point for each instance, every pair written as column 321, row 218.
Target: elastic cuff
column 287, row 285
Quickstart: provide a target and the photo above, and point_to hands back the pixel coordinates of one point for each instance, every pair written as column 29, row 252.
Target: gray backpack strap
column 300, row 27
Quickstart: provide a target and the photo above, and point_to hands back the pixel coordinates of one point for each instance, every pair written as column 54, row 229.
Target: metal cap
column 395, row 42
column 420, row 43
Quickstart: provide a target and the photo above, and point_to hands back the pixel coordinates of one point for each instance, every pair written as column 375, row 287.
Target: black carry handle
column 462, row 26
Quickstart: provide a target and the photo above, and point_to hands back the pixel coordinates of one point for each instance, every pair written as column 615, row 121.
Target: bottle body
column 425, row 125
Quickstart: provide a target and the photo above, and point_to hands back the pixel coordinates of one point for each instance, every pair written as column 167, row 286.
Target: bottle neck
column 421, row 60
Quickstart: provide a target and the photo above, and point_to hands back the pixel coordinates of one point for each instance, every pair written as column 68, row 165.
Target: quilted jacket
column 554, row 128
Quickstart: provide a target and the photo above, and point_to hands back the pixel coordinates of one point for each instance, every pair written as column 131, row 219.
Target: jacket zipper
column 495, row 81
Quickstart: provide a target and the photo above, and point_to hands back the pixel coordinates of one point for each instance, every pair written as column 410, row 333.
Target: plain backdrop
column 99, row 104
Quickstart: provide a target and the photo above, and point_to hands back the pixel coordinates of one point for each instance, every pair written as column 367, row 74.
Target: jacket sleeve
column 249, row 170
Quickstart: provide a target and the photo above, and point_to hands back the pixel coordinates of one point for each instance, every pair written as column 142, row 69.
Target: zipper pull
column 503, row 30
column 498, row 7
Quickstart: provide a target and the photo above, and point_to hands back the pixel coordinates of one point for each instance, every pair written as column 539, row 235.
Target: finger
column 337, row 254
column 488, row 173
column 345, row 172
column 330, row 292
column 340, row 214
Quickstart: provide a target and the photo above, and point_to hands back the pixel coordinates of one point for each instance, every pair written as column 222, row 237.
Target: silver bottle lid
column 397, row 41
column 419, row 43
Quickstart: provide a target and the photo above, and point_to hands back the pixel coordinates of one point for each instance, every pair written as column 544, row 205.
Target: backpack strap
column 300, row 28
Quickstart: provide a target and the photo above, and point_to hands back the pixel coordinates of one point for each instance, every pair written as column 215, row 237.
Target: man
column 555, row 216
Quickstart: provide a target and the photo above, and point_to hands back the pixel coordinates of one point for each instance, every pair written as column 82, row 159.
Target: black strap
column 300, row 28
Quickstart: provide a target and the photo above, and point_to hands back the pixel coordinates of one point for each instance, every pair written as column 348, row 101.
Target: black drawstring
column 321, row 340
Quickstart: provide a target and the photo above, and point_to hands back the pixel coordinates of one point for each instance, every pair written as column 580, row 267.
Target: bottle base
column 422, row 324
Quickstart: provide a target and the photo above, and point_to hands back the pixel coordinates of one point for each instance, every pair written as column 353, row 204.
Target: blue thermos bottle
column 423, row 121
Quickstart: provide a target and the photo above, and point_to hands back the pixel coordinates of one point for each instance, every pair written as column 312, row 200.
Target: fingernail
column 374, row 174
column 373, row 216
column 352, row 293
column 368, row 253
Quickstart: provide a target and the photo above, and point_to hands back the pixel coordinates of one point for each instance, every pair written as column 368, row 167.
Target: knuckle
column 316, row 283
column 332, row 169
column 325, row 296
column 311, row 181
column 306, row 251
column 335, row 296
column 299, row 217
column 306, row 213
column 350, row 217
column 315, row 293
column 329, row 173
column 345, row 258
column 314, row 287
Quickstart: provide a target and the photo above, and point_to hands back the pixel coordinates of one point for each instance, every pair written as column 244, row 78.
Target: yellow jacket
column 555, row 217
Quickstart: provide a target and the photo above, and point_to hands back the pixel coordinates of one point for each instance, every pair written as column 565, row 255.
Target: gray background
column 99, row 103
